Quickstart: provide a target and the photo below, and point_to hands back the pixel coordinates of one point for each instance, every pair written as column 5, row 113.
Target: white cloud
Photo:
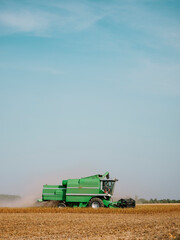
column 26, row 21
column 61, row 17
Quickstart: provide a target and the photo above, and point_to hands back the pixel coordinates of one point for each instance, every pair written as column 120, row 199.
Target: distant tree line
column 155, row 200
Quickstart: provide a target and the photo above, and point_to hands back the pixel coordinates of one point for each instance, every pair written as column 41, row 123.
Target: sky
column 90, row 86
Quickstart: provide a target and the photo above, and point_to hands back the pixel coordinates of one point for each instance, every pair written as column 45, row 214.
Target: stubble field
column 143, row 222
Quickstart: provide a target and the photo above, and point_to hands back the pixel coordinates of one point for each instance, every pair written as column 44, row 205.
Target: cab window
column 108, row 186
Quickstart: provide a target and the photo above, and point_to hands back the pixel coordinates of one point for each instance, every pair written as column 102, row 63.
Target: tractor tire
column 95, row 203
column 61, row 205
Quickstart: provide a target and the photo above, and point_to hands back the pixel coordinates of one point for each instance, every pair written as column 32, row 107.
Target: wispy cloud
column 51, row 18
column 61, row 17
column 33, row 68
column 129, row 29
column 26, row 21
column 154, row 24
column 78, row 15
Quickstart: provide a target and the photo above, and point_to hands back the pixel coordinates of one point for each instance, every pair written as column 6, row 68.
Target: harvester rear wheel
column 95, row 203
column 61, row 205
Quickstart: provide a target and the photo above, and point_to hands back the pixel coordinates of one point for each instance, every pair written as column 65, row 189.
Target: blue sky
column 90, row 86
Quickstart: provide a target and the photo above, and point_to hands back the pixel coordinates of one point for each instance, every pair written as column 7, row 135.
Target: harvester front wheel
column 61, row 205
column 95, row 203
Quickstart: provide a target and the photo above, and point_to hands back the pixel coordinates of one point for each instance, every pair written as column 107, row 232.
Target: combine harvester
column 93, row 191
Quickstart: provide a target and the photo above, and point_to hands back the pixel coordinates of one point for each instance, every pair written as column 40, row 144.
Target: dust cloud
column 21, row 202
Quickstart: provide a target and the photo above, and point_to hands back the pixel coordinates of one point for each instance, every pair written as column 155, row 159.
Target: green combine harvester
column 93, row 191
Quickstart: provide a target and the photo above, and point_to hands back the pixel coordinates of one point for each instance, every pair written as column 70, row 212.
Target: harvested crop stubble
column 144, row 222
column 140, row 209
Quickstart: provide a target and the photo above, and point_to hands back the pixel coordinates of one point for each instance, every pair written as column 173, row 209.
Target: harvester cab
column 93, row 191
column 108, row 186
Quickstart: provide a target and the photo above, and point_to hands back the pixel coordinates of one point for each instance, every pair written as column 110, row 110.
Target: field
column 143, row 222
